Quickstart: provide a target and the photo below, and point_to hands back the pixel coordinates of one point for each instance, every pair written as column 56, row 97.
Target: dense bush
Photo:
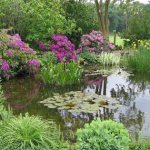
column 61, row 46
column 88, row 57
column 94, row 43
column 35, row 19
column 108, row 59
column 30, row 133
column 138, row 22
column 103, row 135
column 61, row 73
column 16, row 56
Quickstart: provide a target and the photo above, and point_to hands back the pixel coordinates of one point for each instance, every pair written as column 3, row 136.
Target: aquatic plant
column 139, row 60
column 141, row 144
column 61, row 73
column 108, row 59
column 103, row 135
column 30, row 133
column 16, row 55
column 95, row 43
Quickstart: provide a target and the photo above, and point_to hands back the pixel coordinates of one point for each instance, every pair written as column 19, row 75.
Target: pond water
column 132, row 92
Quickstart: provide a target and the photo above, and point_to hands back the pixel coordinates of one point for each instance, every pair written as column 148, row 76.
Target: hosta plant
column 103, row 135
column 109, row 59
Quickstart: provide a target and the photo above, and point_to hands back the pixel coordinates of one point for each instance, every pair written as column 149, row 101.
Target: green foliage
column 48, row 58
column 138, row 22
column 30, row 133
column 141, row 144
column 139, row 60
column 61, row 73
column 103, row 135
column 107, row 59
column 89, row 57
column 35, row 19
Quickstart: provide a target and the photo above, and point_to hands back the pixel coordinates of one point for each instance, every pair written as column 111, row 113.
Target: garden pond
column 118, row 95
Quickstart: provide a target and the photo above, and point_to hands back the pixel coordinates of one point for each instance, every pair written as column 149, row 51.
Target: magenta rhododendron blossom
column 4, row 66
column 9, row 53
column 94, row 42
column 16, row 42
column 34, row 62
column 111, row 46
column 16, row 56
column 63, row 48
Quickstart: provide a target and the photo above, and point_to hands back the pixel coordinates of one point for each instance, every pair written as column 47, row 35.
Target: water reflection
column 133, row 92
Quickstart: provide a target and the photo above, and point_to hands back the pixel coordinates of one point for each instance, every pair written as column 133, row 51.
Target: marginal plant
column 139, row 60
column 108, row 59
column 30, row 133
column 61, row 73
column 103, row 135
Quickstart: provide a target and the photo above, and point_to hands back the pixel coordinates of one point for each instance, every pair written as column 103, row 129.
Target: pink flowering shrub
column 94, row 42
column 62, row 47
column 15, row 56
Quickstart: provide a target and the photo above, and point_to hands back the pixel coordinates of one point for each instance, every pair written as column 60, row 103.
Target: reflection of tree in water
column 73, row 121
column 133, row 119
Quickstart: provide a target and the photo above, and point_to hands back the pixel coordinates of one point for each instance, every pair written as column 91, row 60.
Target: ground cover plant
column 30, row 132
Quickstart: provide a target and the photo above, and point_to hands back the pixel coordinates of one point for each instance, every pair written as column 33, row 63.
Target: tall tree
column 103, row 16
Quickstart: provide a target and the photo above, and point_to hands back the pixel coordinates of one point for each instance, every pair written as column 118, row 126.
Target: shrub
column 61, row 73
column 95, row 43
column 16, row 55
column 89, row 57
column 47, row 59
column 109, row 59
column 62, row 47
column 30, row 133
column 103, row 135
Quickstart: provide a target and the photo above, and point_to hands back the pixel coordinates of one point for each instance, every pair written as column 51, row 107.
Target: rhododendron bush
column 62, row 47
column 95, row 43
column 15, row 56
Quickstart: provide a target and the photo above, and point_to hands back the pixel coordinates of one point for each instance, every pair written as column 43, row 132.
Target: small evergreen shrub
column 30, row 133
column 103, row 135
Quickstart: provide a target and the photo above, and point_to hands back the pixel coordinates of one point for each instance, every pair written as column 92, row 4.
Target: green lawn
column 119, row 41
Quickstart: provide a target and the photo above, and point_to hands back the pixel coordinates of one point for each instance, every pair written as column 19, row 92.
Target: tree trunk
column 103, row 16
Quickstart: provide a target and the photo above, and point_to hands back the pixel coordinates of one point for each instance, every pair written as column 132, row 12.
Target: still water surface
column 133, row 92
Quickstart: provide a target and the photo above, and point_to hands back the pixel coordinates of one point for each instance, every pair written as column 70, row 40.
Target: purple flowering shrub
column 94, row 42
column 16, row 56
column 62, row 47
